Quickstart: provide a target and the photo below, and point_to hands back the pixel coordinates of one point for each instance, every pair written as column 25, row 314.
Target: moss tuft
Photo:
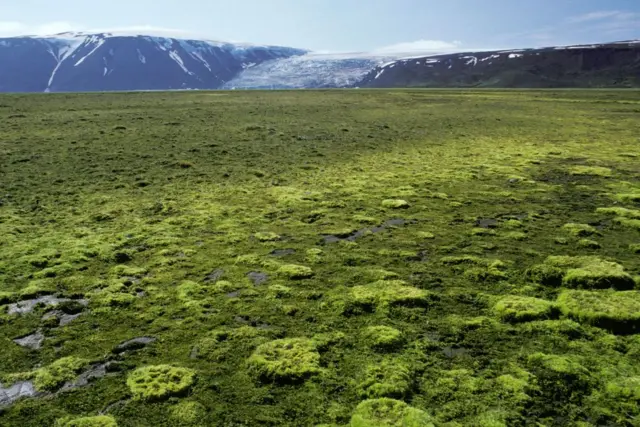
column 290, row 360
column 635, row 248
column 523, row 309
column 389, row 378
column 383, row 294
column 383, row 337
column 425, row 235
column 295, row 272
column 97, row 421
column 627, row 222
column 560, row 378
column 620, row 212
column 266, row 236
column 615, row 311
column 590, row 170
column 580, row 230
column 388, row 413
column 395, row 204
column 154, row 383
column 59, row 372
column 585, row 272
column 188, row 414
column 589, row 244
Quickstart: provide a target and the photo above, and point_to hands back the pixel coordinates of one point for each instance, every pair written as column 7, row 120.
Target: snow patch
column 379, row 73
column 99, row 42
column 488, row 58
column 515, row 55
column 141, row 57
column 470, row 60
column 174, row 55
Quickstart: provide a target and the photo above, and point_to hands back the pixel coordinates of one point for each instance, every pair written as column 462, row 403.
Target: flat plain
column 340, row 258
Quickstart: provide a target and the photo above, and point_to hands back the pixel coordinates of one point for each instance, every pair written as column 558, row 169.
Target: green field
column 320, row 257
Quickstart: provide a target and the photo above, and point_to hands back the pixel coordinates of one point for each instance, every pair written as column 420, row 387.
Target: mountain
column 106, row 61
column 601, row 65
column 73, row 62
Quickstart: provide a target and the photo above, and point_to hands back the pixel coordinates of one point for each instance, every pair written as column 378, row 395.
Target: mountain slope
column 606, row 65
column 103, row 62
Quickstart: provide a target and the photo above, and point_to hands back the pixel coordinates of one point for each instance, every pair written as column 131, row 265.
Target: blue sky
column 342, row 25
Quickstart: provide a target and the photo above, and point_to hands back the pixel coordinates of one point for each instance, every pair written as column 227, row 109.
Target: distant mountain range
column 74, row 62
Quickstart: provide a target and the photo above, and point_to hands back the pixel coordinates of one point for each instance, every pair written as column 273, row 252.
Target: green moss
column 7, row 297
column 628, row 197
column 388, row 378
column 627, row 222
column 560, row 378
column 516, row 235
column 327, row 340
column 464, row 259
column 615, row 311
column 388, row 413
column 37, row 288
column 188, row 414
column 635, row 248
column 580, row 230
column 590, row 170
column 295, row 272
column 620, row 212
column 97, row 421
column 383, row 337
column 425, row 235
column 589, row 244
column 383, row 294
column 59, row 372
column 395, row 204
column 160, row 382
column 290, row 360
column 314, row 255
column 561, row 241
column 513, row 224
column 279, row 291
column 128, row 271
column 55, row 271
column 267, row 236
column 523, row 309
column 586, row 272
column 482, row 232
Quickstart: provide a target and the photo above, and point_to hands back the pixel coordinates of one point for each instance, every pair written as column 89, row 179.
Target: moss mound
column 384, row 294
column 561, row 379
column 290, row 360
column 590, row 170
column 383, row 337
column 620, row 212
column 59, row 372
column 188, row 414
column 267, row 236
column 634, row 247
column 160, row 382
column 618, row 312
column 395, row 204
column 295, row 272
column 97, row 421
column 628, row 222
column 580, row 230
column 388, row 413
column 390, row 378
column 585, row 272
column 589, row 244
column 523, row 309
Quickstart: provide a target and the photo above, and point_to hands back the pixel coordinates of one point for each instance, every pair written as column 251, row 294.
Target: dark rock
column 28, row 306
column 282, row 252
column 122, row 257
column 258, row 278
column 452, row 352
column 351, row 237
column 234, row 294
column 134, row 344
column 94, row 372
column 17, row 391
column 33, row 341
column 214, row 276
column 487, row 223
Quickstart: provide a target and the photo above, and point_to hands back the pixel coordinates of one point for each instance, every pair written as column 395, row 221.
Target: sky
column 341, row 25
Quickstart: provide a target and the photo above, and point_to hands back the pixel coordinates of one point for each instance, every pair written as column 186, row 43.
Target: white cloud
column 9, row 28
column 420, row 46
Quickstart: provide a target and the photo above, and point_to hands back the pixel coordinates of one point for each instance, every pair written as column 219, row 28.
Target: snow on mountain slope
column 111, row 61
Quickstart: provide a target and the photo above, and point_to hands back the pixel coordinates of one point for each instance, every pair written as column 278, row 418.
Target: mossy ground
column 156, row 208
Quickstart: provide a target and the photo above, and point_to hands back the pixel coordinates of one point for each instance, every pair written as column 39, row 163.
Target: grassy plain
column 340, row 258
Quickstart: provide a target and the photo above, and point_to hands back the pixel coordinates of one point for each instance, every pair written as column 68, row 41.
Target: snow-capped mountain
column 124, row 61
column 111, row 61
column 598, row 65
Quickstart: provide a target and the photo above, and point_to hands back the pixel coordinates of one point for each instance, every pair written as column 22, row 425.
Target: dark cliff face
column 103, row 62
column 607, row 65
